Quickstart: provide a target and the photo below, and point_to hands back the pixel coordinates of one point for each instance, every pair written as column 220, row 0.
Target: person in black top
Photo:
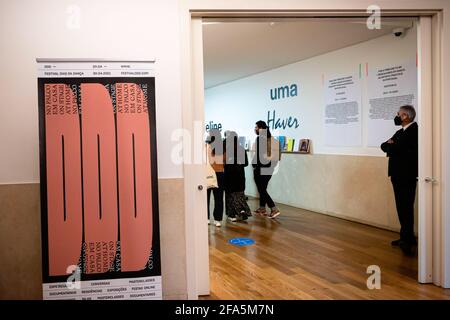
column 402, row 150
column 235, row 159
column 264, row 162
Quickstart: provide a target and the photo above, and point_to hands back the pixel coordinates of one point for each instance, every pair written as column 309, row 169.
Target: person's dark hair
column 235, row 153
column 214, row 139
column 232, row 135
column 268, row 148
column 213, row 135
column 410, row 111
column 263, row 125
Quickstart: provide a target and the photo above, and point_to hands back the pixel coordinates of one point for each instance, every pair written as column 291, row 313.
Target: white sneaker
column 217, row 223
column 274, row 213
column 232, row 219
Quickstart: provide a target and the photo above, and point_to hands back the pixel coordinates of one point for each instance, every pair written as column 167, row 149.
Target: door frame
column 424, row 183
column 434, row 265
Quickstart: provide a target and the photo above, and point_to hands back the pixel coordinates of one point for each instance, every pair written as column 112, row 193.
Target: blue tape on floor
column 241, row 241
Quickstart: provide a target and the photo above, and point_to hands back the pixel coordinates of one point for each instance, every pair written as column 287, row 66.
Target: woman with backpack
column 267, row 155
column 235, row 159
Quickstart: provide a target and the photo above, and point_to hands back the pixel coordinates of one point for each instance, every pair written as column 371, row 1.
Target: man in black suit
column 402, row 150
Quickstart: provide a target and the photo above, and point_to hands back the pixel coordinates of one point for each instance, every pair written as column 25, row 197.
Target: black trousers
column 405, row 195
column 262, row 181
column 218, row 197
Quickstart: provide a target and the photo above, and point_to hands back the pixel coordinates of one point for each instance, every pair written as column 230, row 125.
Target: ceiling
column 234, row 50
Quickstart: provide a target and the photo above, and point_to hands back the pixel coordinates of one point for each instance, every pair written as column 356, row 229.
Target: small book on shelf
column 290, row 144
column 282, row 142
column 304, row 145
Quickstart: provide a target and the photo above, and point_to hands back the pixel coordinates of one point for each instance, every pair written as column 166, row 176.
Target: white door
column 197, row 171
column 425, row 181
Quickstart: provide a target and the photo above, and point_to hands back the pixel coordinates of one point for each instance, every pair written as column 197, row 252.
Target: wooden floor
column 306, row 255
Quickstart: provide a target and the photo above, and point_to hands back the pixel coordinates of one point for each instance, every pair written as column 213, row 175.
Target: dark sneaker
column 261, row 211
column 396, row 243
column 245, row 215
column 400, row 242
column 408, row 250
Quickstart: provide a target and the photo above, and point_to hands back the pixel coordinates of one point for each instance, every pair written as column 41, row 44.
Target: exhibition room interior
column 320, row 86
column 105, row 123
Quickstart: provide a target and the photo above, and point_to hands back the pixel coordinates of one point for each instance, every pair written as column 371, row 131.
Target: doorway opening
column 338, row 209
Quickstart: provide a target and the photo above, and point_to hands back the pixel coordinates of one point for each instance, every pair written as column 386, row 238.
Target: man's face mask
column 397, row 120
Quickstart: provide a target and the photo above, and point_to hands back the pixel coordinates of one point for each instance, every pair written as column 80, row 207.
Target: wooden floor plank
column 306, row 255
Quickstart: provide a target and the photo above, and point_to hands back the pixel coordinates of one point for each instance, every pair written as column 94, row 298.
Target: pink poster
column 99, row 197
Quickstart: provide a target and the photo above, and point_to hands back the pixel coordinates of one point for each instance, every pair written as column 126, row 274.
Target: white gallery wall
column 348, row 182
column 237, row 105
column 82, row 29
column 105, row 29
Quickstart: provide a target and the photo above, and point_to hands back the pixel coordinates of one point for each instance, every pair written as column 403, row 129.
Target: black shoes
column 398, row 242
column 407, row 247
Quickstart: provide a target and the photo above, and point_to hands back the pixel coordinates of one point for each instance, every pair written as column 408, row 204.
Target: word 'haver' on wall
column 278, row 123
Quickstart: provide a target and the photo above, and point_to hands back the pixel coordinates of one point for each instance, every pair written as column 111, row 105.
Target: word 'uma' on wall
column 282, row 92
